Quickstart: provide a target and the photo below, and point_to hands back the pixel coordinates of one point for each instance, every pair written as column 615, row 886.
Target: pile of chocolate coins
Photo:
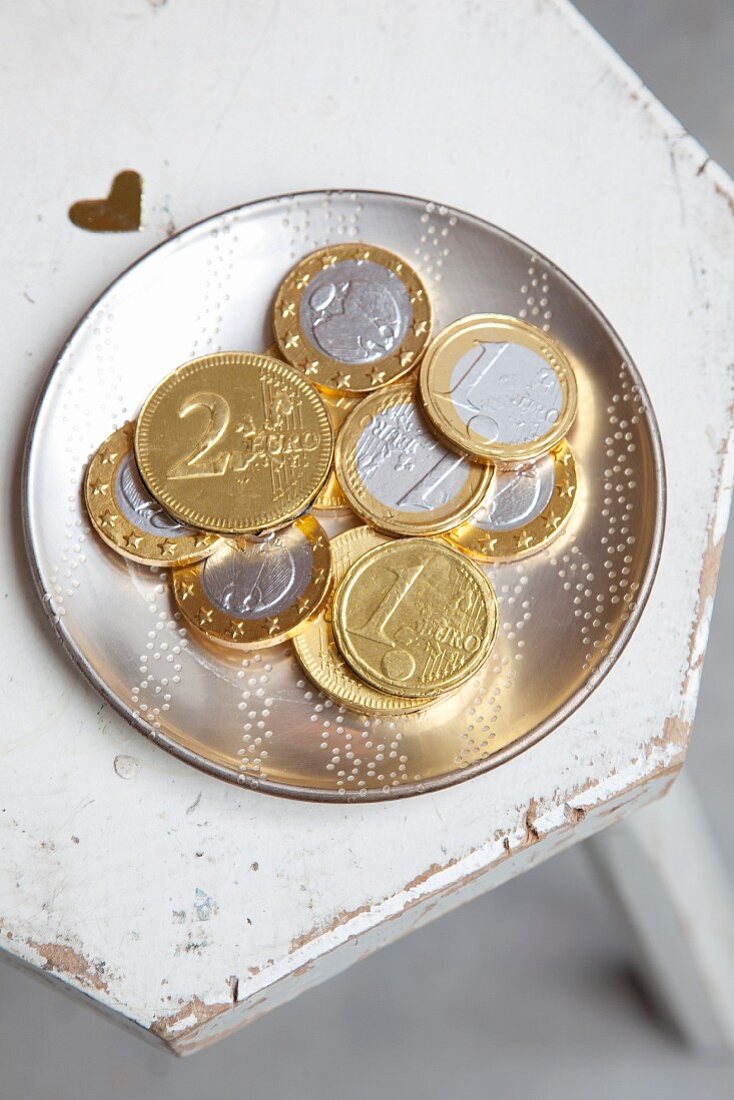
column 441, row 453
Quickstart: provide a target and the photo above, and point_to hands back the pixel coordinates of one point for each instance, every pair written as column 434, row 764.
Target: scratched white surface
column 129, row 875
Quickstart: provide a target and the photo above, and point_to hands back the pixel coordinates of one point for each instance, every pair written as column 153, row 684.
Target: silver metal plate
column 255, row 719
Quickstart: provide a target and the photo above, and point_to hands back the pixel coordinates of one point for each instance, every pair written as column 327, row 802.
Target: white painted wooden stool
column 189, row 907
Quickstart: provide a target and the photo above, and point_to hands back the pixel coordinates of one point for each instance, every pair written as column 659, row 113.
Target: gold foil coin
column 498, row 388
column 128, row 518
column 415, row 618
column 234, row 442
column 319, row 655
column 352, row 317
column 331, row 498
column 397, row 475
column 256, row 592
column 524, row 509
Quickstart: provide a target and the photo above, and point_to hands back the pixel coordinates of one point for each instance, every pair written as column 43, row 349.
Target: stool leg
column 663, row 868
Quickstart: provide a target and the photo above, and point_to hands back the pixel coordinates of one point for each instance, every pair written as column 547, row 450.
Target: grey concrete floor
column 526, row 993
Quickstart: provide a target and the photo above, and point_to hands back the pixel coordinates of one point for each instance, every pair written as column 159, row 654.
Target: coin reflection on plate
column 498, row 388
column 352, row 317
column 524, row 509
column 255, row 592
column 397, row 475
column 128, row 518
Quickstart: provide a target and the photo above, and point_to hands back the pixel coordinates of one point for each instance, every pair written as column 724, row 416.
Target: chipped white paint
column 553, row 138
column 127, row 767
column 204, row 905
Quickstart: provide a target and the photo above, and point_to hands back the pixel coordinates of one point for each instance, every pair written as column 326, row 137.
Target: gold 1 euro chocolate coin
column 498, row 388
column 128, row 518
column 317, row 650
column 415, row 618
column 256, row 592
column 352, row 317
column 524, row 509
column 234, row 442
column 397, row 475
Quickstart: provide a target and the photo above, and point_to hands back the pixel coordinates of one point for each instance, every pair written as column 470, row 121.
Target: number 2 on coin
column 192, row 465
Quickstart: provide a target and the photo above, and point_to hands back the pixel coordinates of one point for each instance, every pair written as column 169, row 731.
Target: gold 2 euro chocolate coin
column 128, row 518
column 352, row 317
column 234, row 443
column 498, row 389
column 415, row 617
column 256, row 592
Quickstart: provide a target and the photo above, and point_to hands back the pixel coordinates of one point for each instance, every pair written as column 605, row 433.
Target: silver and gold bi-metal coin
column 498, row 388
column 352, row 317
column 235, row 443
column 524, row 510
column 256, row 592
column 397, row 475
column 319, row 655
column 415, row 617
column 128, row 518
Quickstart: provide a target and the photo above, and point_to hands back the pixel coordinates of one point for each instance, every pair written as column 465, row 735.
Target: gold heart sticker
column 120, row 212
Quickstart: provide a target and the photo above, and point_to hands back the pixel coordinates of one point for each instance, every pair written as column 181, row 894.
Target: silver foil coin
column 139, row 507
column 506, row 393
column 405, row 467
column 356, row 311
column 516, row 497
column 258, row 578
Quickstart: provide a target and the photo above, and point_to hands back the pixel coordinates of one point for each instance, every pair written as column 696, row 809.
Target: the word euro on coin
column 524, row 509
column 415, row 618
column 128, row 518
column 498, row 388
column 330, row 497
column 319, row 655
column 256, row 592
column 397, row 475
column 352, row 317
column 234, row 442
